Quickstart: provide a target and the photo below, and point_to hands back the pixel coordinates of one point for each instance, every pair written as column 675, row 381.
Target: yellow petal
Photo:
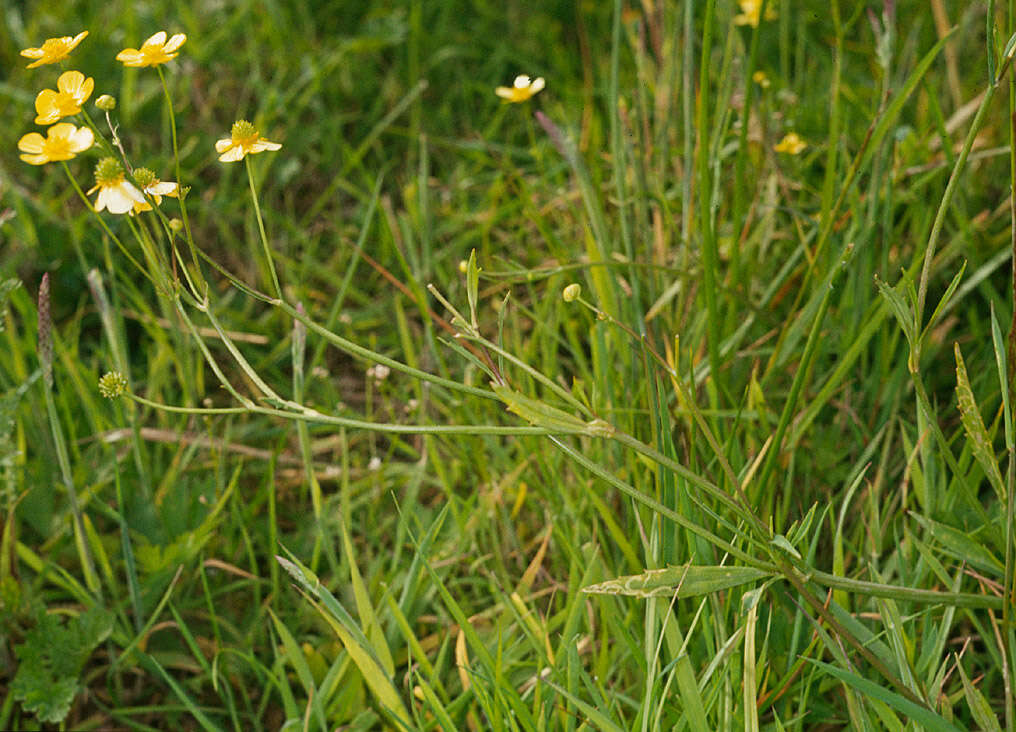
column 223, row 145
column 31, row 143
column 70, row 81
column 130, row 57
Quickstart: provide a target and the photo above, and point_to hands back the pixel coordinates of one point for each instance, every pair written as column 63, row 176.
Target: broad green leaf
column 684, row 581
column 51, row 658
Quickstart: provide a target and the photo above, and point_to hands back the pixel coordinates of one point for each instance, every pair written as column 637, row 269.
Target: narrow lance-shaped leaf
column 980, row 443
column 684, row 581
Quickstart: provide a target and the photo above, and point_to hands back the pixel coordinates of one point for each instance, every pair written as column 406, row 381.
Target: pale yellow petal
column 174, row 43
column 262, row 145
column 82, row 139
column 223, row 145
column 162, row 188
column 118, row 199
column 157, row 39
column 232, row 155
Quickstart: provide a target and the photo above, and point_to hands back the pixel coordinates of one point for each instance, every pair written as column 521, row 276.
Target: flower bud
column 572, row 292
column 106, row 103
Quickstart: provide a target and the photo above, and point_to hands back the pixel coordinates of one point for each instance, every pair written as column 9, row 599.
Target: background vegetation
column 778, row 425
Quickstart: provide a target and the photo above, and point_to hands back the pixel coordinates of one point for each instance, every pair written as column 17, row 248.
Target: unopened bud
column 106, row 103
column 572, row 292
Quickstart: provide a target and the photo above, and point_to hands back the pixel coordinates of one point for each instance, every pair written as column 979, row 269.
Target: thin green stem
column 261, row 229
column 105, row 227
column 179, row 183
column 298, row 412
column 358, row 350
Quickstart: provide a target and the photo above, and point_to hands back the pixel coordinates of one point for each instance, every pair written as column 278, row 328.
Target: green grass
column 760, row 474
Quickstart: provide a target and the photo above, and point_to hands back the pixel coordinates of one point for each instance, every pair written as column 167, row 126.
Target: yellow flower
column 156, row 50
column 53, row 50
column 74, row 90
column 760, row 78
column 116, row 194
column 521, row 89
column 154, row 187
column 62, row 142
column 244, row 139
column 751, row 11
column 791, row 144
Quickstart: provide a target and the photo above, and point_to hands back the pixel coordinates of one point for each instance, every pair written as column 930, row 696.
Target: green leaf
column 538, row 413
column 980, row 443
column 960, row 545
column 360, row 649
column 51, row 659
column 685, row 581
column 784, row 543
column 899, row 307
column 979, row 707
column 870, row 689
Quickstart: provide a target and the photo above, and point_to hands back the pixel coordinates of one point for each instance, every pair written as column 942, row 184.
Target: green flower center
column 108, row 172
column 144, row 177
column 243, row 132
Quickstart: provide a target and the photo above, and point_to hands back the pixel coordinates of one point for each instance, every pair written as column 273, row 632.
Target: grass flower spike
column 156, row 50
column 73, row 91
column 792, row 144
column 53, row 50
column 243, row 139
column 521, row 89
column 62, row 142
column 751, row 12
column 116, row 194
